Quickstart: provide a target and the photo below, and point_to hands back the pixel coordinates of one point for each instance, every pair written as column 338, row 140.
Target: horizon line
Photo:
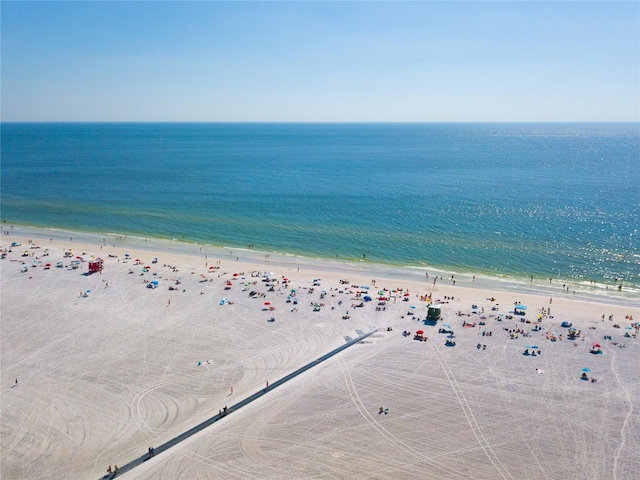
column 324, row 122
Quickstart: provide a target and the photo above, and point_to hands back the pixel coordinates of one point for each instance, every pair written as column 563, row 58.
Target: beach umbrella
column 412, row 306
column 235, row 274
column 586, row 369
column 596, row 345
column 148, row 267
column 267, row 303
column 48, row 265
column 531, row 346
column 446, row 325
column 419, row 332
column 520, row 307
column 155, row 282
column 88, row 291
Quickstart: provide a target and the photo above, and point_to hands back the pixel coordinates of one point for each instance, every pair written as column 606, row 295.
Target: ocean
column 512, row 201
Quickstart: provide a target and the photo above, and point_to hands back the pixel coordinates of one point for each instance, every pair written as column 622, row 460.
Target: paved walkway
column 192, row 431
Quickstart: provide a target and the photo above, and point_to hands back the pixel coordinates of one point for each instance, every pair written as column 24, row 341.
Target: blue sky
column 321, row 61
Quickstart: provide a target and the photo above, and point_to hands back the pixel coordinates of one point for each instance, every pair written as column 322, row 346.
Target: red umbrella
column 148, row 267
column 267, row 303
column 48, row 265
column 211, row 268
column 406, row 294
column 419, row 332
column 597, row 345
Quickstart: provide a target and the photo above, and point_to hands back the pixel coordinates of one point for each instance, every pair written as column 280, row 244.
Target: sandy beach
column 96, row 368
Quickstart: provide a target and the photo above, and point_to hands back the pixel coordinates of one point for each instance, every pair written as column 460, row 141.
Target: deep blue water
column 549, row 200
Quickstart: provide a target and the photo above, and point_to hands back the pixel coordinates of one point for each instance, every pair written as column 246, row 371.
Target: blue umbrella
column 446, row 325
column 412, row 306
column 88, row 291
column 155, row 282
column 586, row 369
column 531, row 346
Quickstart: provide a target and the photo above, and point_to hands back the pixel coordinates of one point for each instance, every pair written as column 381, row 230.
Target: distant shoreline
column 413, row 273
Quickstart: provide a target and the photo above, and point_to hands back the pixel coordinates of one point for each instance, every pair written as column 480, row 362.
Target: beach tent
column 519, row 309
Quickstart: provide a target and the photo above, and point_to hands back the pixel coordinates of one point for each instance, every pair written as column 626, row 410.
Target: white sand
column 103, row 377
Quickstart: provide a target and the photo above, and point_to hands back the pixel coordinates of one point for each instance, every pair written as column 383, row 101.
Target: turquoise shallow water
column 550, row 200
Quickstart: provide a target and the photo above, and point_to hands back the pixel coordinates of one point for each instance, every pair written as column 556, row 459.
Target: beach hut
column 434, row 312
column 96, row 265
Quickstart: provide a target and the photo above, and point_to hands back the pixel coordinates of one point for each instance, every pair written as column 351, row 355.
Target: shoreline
column 598, row 293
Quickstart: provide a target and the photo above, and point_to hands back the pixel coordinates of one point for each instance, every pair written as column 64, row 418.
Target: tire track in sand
column 471, row 419
column 448, row 472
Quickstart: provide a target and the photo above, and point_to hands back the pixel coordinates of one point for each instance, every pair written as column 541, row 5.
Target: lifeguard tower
column 434, row 313
column 96, row 265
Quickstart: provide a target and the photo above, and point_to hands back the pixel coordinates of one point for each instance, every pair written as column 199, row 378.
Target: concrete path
column 192, row 431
